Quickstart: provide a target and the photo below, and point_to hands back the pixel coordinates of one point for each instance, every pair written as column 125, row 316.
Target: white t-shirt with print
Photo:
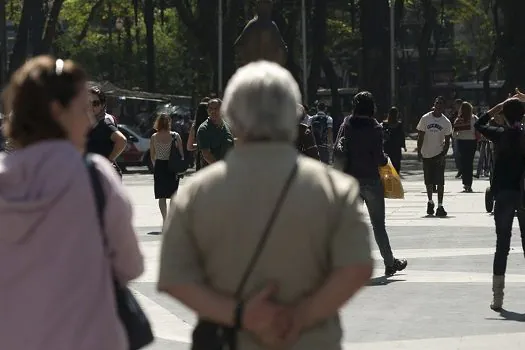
column 435, row 129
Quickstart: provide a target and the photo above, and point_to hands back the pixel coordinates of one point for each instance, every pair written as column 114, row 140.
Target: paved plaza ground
column 440, row 302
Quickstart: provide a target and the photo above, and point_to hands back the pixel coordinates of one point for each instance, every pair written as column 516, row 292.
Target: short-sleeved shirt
column 436, row 130
column 99, row 138
column 215, row 137
column 210, row 240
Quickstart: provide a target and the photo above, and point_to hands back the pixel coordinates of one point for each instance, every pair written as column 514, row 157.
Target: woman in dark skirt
column 166, row 182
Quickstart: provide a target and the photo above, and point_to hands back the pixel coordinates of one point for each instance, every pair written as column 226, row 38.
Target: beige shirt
column 217, row 220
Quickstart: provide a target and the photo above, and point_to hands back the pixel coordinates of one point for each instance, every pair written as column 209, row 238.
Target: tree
column 374, row 25
column 36, row 30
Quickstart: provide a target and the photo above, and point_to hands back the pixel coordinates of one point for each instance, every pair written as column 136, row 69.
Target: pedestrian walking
column 507, row 183
column 201, row 115
column 165, row 181
column 466, row 138
column 455, row 149
column 322, row 125
column 251, row 269
column 434, row 134
column 214, row 137
column 305, row 139
column 364, row 155
column 104, row 138
column 57, row 276
column 394, row 138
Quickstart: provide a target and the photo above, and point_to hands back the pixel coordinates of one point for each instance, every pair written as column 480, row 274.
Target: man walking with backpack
column 322, row 129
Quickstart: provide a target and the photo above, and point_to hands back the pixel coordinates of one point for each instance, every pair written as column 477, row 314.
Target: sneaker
column 468, row 189
column 399, row 265
column 430, row 208
column 440, row 212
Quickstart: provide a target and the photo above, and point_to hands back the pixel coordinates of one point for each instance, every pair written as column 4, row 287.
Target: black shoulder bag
column 209, row 335
column 176, row 164
column 134, row 320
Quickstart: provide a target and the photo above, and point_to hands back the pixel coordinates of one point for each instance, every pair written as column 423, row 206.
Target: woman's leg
column 163, row 208
column 504, row 210
column 468, row 163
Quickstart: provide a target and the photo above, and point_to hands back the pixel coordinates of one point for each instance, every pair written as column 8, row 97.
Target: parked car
column 137, row 150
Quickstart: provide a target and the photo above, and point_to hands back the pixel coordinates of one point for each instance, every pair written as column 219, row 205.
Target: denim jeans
column 372, row 194
column 507, row 202
column 457, row 154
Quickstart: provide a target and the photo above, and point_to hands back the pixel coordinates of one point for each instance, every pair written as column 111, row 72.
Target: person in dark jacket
column 305, row 139
column 506, row 186
column 364, row 147
column 394, row 136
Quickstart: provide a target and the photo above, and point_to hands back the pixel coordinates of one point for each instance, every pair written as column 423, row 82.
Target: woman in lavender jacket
column 55, row 274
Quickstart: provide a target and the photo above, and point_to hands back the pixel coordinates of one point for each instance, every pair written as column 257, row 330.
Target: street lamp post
column 392, row 54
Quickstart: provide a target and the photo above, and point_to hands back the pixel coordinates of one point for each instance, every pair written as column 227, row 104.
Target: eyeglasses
column 96, row 103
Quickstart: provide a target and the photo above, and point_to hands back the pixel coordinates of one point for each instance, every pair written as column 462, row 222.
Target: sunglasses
column 96, row 103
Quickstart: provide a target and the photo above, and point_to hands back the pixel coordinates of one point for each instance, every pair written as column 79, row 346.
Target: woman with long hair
column 200, row 117
column 58, row 276
column 394, row 138
column 166, row 182
column 466, row 137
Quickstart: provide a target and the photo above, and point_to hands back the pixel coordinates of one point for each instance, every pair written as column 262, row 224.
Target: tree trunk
column 22, row 37
column 375, row 73
column 50, row 29
column 425, row 59
column 36, row 29
column 319, row 40
column 513, row 44
column 149, row 21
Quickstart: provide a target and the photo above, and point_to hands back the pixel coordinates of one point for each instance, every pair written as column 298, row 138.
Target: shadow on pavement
column 383, row 281
column 154, row 233
column 509, row 316
column 438, row 217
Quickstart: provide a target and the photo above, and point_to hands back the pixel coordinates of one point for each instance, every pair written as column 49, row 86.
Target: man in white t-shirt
column 434, row 133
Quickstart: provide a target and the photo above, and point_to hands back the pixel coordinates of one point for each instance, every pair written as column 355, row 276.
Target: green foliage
column 475, row 37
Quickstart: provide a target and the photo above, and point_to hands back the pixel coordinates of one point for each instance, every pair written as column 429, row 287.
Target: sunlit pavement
column 440, row 301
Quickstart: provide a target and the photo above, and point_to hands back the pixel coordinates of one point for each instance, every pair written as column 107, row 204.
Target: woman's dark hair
column 95, row 90
column 201, row 115
column 364, row 104
column 29, row 95
column 163, row 122
column 393, row 115
column 513, row 110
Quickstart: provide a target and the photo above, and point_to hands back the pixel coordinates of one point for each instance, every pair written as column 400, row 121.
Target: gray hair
column 260, row 103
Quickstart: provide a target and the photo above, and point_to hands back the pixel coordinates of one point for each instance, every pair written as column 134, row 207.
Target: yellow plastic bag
column 391, row 182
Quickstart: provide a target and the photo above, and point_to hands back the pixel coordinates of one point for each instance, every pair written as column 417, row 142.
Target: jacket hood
column 32, row 180
column 357, row 122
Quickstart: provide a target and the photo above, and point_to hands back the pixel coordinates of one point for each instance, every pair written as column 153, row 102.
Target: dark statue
column 261, row 38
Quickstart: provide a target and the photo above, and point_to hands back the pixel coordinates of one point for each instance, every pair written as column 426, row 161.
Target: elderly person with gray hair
column 267, row 245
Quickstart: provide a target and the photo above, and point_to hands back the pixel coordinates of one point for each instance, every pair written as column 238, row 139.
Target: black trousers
column 395, row 157
column 467, row 150
column 507, row 202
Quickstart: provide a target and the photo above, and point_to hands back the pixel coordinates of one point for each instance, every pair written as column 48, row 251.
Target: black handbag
column 176, row 164
column 209, row 335
column 133, row 318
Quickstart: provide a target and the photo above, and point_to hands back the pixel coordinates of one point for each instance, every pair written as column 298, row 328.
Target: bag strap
column 98, row 192
column 266, row 232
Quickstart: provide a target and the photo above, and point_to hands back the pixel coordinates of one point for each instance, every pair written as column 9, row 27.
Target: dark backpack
column 320, row 129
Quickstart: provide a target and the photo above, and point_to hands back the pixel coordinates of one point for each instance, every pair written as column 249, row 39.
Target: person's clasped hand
column 274, row 325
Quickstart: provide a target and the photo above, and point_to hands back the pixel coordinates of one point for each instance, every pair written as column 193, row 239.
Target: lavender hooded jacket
column 55, row 281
